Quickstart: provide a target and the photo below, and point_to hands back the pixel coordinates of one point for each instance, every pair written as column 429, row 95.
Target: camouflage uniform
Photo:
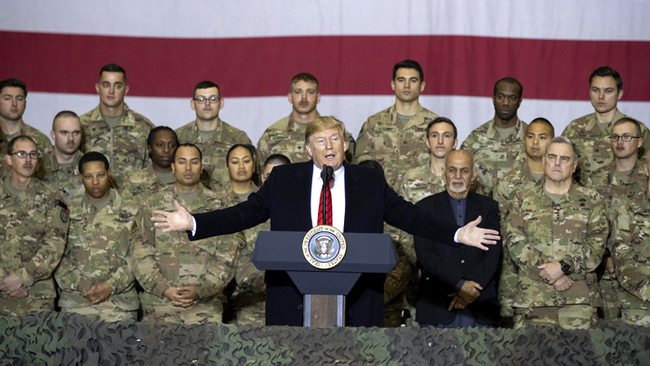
column 142, row 184
column 65, row 180
column 420, row 183
column 33, row 231
column 162, row 260
column 397, row 148
column 495, row 156
column 631, row 255
column 214, row 149
column 287, row 137
column 125, row 145
column 594, row 147
column 617, row 193
column 504, row 192
column 99, row 251
column 43, row 144
column 542, row 231
column 416, row 185
column 249, row 299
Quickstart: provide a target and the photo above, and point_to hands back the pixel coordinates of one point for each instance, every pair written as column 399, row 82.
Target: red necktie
column 328, row 205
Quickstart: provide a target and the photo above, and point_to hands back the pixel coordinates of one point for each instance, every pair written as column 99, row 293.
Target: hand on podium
column 474, row 236
column 181, row 220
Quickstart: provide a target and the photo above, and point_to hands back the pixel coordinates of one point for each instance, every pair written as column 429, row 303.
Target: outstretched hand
column 181, row 220
column 474, row 236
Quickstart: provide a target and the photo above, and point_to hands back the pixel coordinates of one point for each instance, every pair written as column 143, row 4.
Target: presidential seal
column 324, row 247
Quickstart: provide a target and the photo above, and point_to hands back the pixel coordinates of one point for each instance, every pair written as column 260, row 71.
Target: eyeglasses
column 213, row 99
column 625, row 138
column 22, row 154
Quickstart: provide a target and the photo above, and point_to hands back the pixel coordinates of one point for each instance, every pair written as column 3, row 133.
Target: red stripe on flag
column 344, row 65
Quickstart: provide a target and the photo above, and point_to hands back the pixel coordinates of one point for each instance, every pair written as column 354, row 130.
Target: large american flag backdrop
column 253, row 48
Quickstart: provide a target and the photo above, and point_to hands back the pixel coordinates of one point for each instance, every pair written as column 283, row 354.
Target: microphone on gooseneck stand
column 325, row 175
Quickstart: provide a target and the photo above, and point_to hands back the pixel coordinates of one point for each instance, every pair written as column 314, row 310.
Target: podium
column 324, row 290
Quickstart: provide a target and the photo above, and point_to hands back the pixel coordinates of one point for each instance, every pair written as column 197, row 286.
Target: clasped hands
column 182, row 296
column 467, row 295
column 552, row 274
column 13, row 286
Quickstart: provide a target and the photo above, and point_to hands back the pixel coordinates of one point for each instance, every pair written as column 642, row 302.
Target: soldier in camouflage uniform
column 212, row 135
column 418, row 183
column 556, row 237
column 183, row 280
column 538, row 134
column 141, row 184
column 591, row 133
column 498, row 144
column 62, row 165
column 95, row 274
column 13, row 101
column 113, row 129
column 249, row 297
column 33, row 231
column 396, row 137
column 631, row 257
column 287, row 136
column 622, row 180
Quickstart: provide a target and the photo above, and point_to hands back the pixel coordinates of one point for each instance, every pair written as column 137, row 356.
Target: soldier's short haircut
column 605, row 71
column 64, row 114
column 93, row 156
column 206, row 84
column 321, row 124
column 373, row 164
column 112, row 67
column 509, row 80
column 277, row 159
column 408, row 64
column 306, row 77
column 544, row 121
column 562, row 140
column 10, row 145
column 190, row 145
column 157, row 129
column 13, row 82
column 629, row 120
column 442, row 120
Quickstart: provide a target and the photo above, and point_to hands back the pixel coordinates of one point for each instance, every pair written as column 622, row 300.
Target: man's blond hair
column 323, row 123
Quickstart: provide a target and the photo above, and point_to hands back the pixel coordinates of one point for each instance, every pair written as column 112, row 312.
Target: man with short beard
column 61, row 166
column 34, row 221
column 498, row 144
column 458, row 286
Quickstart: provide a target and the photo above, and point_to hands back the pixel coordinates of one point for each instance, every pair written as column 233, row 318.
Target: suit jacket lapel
column 302, row 190
column 352, row 192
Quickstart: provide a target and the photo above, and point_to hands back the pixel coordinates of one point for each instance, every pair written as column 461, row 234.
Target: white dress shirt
column 338, row 197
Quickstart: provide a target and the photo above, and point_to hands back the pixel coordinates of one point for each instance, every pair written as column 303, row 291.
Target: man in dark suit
column 361, row 202
column 458, row 287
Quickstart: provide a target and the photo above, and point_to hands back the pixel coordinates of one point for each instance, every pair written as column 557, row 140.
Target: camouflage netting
column 69, row 339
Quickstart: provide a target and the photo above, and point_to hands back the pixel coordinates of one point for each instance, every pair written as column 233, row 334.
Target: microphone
column 326, row 175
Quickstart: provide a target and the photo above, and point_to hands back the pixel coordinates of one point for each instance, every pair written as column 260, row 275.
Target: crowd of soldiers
column 75, row 217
